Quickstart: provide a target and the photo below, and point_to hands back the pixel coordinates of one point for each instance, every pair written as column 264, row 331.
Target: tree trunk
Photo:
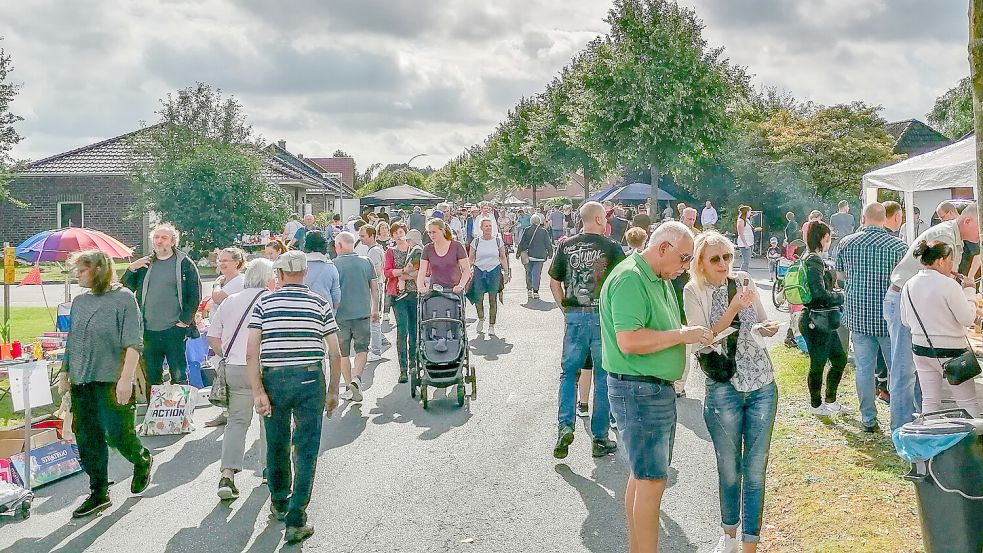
column 586, row 185
column 976, row 76
column 534, row 196
column 654, row 212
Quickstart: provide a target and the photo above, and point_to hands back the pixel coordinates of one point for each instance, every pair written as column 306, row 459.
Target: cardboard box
column 49, row 463
column 12, row 441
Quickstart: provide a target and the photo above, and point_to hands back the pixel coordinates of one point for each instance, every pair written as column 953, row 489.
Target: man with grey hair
column 644, row 345
column 905, row 393
column 487, row 213
column 359, row 308
column 168, row 289
column 582, row 264
column 688, row 218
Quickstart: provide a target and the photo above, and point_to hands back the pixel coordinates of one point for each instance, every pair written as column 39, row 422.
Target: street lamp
column 406, row 166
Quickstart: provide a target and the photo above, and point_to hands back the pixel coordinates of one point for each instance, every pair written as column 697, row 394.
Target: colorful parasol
column 60, row 244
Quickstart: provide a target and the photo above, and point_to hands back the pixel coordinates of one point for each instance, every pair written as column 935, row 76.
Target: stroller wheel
column 423, row 396
column 460, row 395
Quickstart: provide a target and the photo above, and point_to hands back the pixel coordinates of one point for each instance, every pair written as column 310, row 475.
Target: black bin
column 948, row 475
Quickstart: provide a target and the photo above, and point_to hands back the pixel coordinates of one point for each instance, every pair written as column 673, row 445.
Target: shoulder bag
column 524, row 256
column 959, row 369
column 219, row 395
column 720, row 367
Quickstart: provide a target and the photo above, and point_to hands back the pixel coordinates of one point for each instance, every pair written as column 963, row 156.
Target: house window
column 963, row 192
column 71, row 214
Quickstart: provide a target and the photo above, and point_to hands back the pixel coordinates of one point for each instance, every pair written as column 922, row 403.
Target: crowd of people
column 642, row 301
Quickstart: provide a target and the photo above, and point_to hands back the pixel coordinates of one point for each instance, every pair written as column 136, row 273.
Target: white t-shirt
column 237, row 284
column 486, row 255
column 291, row 229
column 224, row 320
column 375, row 255
column 709, row 216
column 745, row 236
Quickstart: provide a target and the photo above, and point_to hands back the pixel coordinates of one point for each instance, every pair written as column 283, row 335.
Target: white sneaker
column 355, row 387
column 820, row 411
column 345, row 394
column 480, row 326
column 727, row 544
column 373, row 357
column 491, row 330
column 837, row 407
column 529, row 294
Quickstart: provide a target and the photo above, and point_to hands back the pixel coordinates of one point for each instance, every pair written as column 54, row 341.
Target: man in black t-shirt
column 581, row 265
column 618, row 225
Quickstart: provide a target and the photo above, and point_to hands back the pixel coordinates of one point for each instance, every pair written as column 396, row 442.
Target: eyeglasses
column 683, row 257
column 727, row 257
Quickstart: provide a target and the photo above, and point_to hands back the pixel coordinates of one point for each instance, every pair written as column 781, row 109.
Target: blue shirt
column 322, row 278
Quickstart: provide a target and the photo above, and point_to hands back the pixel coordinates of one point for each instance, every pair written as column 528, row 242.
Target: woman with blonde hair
column 101, row 358
column 741, row 395
column 444, row 260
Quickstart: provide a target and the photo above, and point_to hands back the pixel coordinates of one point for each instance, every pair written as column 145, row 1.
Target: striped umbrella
column 60, row 244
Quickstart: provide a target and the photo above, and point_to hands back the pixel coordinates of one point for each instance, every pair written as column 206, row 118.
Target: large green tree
column 8, row 134
column 387, row 179
column 953, row 111
column 200, row 169
column 512, row 152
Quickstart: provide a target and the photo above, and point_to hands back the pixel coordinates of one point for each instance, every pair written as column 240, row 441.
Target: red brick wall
column 107, row 200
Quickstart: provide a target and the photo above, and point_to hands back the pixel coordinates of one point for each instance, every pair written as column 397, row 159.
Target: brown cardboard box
column 12, row 441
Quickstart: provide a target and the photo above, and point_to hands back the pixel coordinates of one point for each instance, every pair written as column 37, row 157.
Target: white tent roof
column 948, row 167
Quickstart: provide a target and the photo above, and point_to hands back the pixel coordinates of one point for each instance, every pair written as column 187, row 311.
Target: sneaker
column 837, row 407
column 601, row 448
column 141, row 476
column 884, row 397
column 296, row 534
column 278, row 513
column 374, row 357
column 355, row 387
column 385, row 319
column 220, row 420
column 480, row 327
column 92, row 505
column 727, row 544
column 491, row 330
column 820, row 411
column 681, row 394
column 346, row 394
column 872, row 429
column 265, row 479
column 529, row 294
column 614, row 423
column 227, row 489
column 402, row 376
column 563, row 442
column 535, row 295
column 582, row 409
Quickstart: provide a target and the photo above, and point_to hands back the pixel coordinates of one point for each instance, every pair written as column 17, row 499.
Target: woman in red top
column 444, row 260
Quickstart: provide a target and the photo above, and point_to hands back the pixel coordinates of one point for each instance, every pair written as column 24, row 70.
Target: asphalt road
column 393, row 477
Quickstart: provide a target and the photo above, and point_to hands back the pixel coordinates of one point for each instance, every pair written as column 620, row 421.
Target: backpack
column 796, row 284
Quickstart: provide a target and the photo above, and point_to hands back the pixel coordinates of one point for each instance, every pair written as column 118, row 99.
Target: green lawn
column 831, row 487
column 27, row 323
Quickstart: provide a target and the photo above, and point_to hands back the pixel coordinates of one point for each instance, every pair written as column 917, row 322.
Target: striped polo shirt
column 293, row 321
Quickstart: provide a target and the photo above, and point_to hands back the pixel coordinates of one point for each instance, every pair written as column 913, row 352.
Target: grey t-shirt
column 843, row 224
column 160, row 306
column 356, row 274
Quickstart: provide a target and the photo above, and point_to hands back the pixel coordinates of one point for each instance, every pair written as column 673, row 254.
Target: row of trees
column 652, row 95
column 8, row 134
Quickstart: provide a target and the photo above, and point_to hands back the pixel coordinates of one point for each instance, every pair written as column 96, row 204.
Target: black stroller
column 442, row 357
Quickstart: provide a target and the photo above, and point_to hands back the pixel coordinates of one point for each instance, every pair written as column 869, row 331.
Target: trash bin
column 945, row 450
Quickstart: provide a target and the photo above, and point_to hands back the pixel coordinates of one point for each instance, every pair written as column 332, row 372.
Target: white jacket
column 943, row 307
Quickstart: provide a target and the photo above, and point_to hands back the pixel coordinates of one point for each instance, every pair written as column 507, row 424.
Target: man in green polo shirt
column 643, row 347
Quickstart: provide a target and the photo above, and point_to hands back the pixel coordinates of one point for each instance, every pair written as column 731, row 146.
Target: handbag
column 826, row 319
column 524, row 256
column 959, row 369
column 219, row 395
column 720, row 367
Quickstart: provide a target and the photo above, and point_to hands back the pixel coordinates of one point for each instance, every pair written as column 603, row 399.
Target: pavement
column 393, row 477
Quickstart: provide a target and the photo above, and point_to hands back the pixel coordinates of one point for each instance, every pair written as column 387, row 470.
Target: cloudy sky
column 388, row 79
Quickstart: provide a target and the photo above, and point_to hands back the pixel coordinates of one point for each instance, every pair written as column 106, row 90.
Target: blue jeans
column 906, row 396
column 865, row 350
column 405, row 309
column 534, row 274
column 745, row 259
column 646, row 417
column 583, row 338
column 297, row 394
column 740, row 425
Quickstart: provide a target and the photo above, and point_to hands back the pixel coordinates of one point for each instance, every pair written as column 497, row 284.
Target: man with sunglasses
column 644, row 350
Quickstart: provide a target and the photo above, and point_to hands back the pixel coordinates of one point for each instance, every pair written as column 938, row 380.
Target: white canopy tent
column 953, row 166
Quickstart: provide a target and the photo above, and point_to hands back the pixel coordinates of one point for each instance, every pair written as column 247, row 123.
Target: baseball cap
column 293, row 261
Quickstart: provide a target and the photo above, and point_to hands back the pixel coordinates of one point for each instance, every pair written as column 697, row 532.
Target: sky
column 385, row 80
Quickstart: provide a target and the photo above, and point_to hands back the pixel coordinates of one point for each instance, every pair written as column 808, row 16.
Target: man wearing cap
column 290, row 333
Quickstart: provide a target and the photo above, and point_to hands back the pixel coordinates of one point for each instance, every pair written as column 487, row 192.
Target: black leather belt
column 640, row 378
column 895, row 288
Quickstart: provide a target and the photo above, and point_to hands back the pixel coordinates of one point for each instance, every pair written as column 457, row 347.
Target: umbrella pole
column 68, row 284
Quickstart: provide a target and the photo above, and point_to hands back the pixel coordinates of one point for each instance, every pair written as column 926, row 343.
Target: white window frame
column 81, row 203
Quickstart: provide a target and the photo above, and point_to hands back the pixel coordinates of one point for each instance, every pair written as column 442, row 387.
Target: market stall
column 403, row 194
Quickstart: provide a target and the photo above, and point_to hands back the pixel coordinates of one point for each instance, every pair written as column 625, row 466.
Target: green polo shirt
column 634, row 297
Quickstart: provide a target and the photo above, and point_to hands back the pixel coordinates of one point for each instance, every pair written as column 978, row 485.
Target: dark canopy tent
column 403, row 194
column 635, row 193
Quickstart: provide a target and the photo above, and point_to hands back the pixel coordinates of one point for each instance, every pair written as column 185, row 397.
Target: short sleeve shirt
column 445, row 270
column 634, row 297
column 356, row 274
column 582, row 264
column 293, row 322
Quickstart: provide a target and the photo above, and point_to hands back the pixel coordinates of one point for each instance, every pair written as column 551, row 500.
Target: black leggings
column 823, row 346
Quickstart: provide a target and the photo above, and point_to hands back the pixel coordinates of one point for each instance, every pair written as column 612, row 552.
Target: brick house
column 89, row 187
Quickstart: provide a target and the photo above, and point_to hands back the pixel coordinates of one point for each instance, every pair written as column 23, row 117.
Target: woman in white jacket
column 742, row 401
column 937, row 299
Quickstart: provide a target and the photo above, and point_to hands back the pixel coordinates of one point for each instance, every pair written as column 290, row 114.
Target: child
column 774, row 254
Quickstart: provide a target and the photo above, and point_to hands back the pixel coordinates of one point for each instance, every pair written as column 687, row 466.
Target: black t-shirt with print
column 582, row 264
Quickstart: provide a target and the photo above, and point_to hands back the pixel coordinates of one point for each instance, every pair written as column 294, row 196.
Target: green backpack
column 796, row 286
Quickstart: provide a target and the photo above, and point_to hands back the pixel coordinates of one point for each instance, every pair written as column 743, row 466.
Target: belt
column 577, row 309
column 640, row 378
column 309, row 367
column 895, row 288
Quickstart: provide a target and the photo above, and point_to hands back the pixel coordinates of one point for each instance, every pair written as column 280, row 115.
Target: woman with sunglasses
column 740, row 408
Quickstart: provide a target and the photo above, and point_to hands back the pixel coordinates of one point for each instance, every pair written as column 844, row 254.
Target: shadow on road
column 441, row 415
column 218, row 532
column 344, row 430
column 489, row 347
column 538, row 305
column 98, row 525
column 689, row 413
column 178, row 471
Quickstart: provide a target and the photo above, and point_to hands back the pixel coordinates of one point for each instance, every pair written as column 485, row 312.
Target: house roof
column 343, row 165
column 913, row 137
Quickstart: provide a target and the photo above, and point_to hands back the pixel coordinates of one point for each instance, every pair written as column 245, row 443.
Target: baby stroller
column 442, row 357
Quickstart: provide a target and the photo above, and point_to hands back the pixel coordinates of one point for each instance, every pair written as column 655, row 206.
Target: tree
column 976, row 74
column 8, row 134
column 199, row 168
column 653, row 94
column 512, row 163
column 388, row 179
column 953, row 111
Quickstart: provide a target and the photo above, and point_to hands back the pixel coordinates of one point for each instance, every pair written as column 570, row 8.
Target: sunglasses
column 685, row 257
column 727, row 257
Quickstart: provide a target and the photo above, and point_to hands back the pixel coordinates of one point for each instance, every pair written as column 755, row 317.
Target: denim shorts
column 646, row 417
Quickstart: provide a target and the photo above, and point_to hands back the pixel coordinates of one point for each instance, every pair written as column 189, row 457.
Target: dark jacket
column 188, row 295
column 820, row 278
column 536, row 242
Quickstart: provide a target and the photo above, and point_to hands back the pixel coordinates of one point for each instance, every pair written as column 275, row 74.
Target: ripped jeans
column 740, row 425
